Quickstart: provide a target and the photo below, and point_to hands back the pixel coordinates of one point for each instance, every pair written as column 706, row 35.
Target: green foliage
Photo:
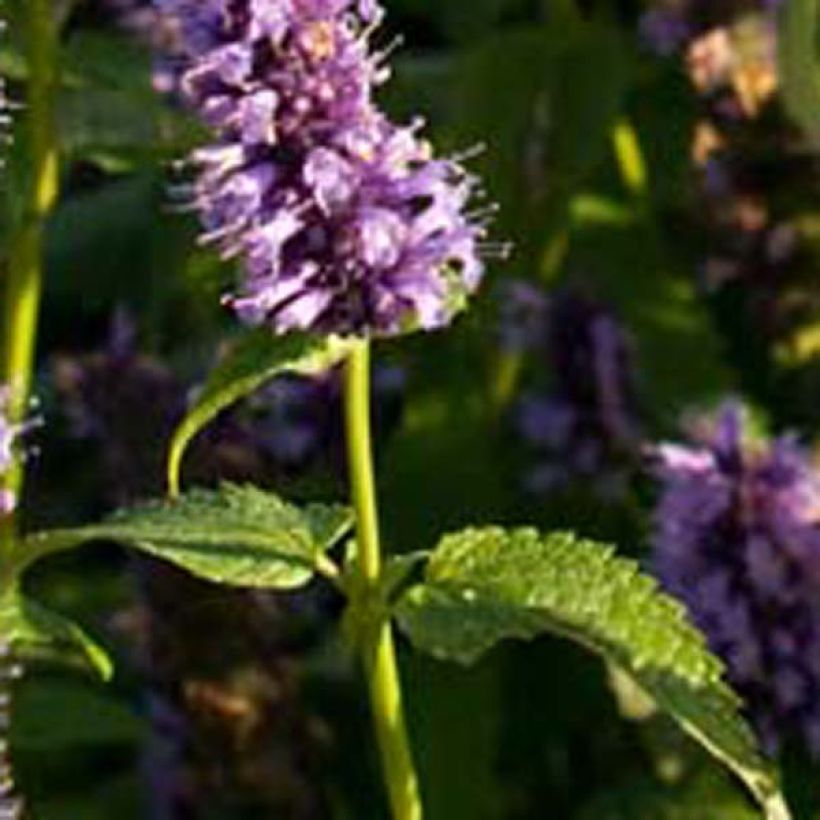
column 700, row 797
column 113, row 797
column 457, row 20
column 551, row 133
column 52, row 713
column 108, row 111
column 256, row 358
column 629, row 266
column 76, row 750
column 545, row 99
column 484, row 585
column 445, row 703
column 39, row 635
column 798, row 58
column 238, row 535
column 104, row 230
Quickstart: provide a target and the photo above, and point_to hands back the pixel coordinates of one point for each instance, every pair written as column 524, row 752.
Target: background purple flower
column 523, row 310
column 583, row 426
column 129, row 404
column 223, row 672
column 748, row 180
column 736, row 537
column 149, row 23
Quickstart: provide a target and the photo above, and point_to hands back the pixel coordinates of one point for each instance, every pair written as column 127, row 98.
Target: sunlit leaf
column 483, row 585
column 39, row 635
column 236, row 535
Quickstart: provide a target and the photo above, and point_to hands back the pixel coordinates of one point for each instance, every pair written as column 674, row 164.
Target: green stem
column 378, row 650
column 626, row 146
column 25, row 272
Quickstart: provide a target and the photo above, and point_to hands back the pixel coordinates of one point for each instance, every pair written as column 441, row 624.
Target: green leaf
column 255, row 359
column 106, row 107
column 123, row 795
column 656, row 298
column 484, row 585
column 551, row 134
column 236, row 535
column 51, row 713
column 798, row 63
column 646, row 799
column 37, row 634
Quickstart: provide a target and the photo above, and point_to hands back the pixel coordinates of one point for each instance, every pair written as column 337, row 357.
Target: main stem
column 378, row 650
column 23, row 286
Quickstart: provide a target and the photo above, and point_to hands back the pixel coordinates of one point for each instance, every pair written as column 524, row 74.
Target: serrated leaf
column 483, row 585
column 37, row 634
column 255, row 359
column 236, row 535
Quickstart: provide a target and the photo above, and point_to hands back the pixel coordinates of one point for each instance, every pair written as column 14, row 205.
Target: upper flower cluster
column 345, row 221
column 736, row 537
column 584, row 427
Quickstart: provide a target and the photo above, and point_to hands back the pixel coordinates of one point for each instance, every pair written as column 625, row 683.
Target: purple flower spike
column 736, row 537
column 583, row 429
column 345, row 222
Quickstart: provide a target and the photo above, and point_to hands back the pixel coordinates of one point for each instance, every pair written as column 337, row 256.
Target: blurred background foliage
column 589, row 152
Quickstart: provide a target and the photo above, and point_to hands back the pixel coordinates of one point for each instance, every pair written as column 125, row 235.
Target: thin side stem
column 23, row 286
column 378, row 650
column 626, row 146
